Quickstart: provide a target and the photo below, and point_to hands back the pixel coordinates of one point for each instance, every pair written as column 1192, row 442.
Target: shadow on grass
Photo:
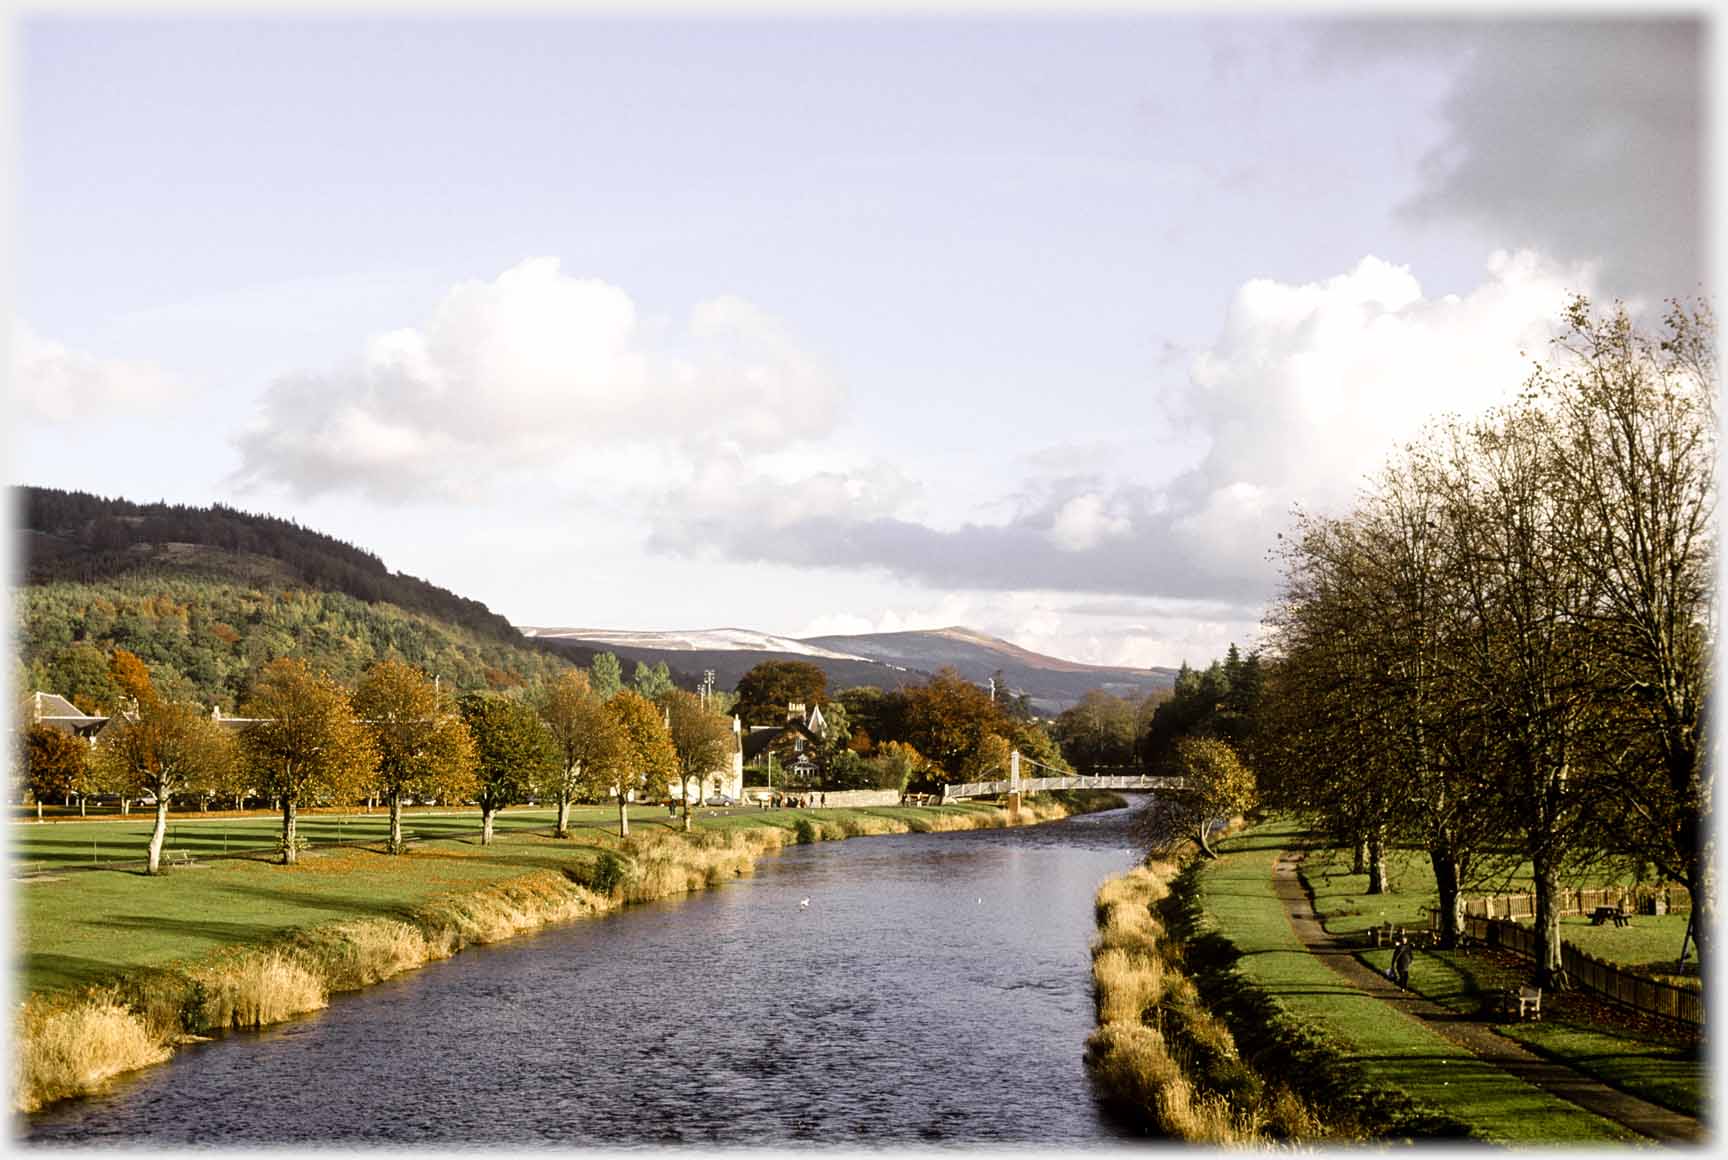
column 311, row 900
column 218, row 932
column 51, row 971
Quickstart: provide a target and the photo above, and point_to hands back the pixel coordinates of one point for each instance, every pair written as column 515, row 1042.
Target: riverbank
column 1368, row 1068
column 243, row 944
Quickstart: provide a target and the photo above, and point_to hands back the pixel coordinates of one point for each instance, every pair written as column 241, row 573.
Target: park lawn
column 1635, row 1058
column 1392, row 1050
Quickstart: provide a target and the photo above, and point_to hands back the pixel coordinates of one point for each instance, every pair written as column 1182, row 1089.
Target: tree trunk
column 1377, row 860
column 1446, row 883
column 1360, row 863
column 396, row 844
column 158, row 834
column 82, row 806
column 1547, row 927
column 290, row 841
column 486, row 814
column 1200, row 837
column 1703, row 908
column 685, row 782
column 563, row 830
column 623, row 813
column 38, row 809
column 125, row 806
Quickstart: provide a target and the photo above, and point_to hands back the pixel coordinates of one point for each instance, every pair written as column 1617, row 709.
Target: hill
column 1052, row 684
column 205, row 595
column 883, row 660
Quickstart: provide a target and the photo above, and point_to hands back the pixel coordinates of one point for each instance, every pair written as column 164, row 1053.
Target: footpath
column 1476, row 1035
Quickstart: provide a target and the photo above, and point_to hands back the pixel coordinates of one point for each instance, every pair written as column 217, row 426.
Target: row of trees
column 1504, row 650
column 397, row 735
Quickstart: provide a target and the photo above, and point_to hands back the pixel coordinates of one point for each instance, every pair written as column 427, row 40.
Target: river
column 935, row 989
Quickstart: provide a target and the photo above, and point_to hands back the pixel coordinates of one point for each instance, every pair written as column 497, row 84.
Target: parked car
column 720, row 799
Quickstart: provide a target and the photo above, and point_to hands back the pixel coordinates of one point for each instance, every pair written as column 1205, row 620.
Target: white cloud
column 53, row 383
column 530, row 369
column 1307, row 390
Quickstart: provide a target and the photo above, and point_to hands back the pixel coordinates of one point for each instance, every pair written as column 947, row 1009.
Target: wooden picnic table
column 1604, row 914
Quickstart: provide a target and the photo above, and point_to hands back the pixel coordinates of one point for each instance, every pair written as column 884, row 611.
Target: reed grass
column 1158, row 1054
column 66, row 1051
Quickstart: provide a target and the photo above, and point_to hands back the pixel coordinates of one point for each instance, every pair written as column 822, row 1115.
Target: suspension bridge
column 1014, row 783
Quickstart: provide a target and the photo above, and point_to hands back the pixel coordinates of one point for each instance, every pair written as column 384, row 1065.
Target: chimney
column 795, row 711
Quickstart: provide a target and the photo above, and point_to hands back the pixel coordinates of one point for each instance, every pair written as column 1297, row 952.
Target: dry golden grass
column 68, row 1050
column 1144, row 1000
column 256, row 989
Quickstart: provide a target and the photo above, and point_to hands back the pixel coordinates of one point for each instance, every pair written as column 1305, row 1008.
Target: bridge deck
column 1037, row 784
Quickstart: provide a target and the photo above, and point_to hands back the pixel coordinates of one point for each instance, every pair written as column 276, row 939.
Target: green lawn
column 86, row 926
column 1392, row 1050
column 1648, row 1061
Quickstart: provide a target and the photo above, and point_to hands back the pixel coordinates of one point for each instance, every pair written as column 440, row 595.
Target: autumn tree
column 55, row 763
column 650, row 762
column 304, row 742
column 160, row 749
column 591, row 744
column 766, row 690
column 424, row 749
column 1099, row 731
column 1218, row 786
column 701, row 743
column 894, row 765
column 513, row 749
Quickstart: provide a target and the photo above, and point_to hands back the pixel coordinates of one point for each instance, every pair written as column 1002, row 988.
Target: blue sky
column 1031, row 323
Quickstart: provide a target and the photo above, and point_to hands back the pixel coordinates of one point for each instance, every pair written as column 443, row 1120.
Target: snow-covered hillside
column 694, row 640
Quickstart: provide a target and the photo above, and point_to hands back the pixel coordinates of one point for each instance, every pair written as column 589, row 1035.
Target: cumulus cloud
column 1303, row 395
column 53, row 383
column 532, row 368
column 1582, row 138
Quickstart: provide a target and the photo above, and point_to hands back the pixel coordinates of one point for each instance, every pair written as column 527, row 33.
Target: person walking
column 1401, row 956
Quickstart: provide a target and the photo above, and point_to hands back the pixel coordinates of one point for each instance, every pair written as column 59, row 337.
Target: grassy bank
column 118, row 966
column 1648, row 1058
column 1159, row 1056
column 1369, row 1069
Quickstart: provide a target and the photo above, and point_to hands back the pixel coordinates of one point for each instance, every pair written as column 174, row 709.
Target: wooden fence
column 1632, row 899
column 1636, row 991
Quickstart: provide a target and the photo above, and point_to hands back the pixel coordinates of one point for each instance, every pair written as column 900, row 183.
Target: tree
column 947, row 718
column 1218, row 785
column 55, row 763
column 606, row 675
column 650, row 761
column 424, row 749
column 592, row 748
column 895, row 764
column 160, row 749
column 132, row 677
column 652, row 681
column 513, row 750
column 304, row 743
column 766, row 690
column 1634, row 439
column 701, row 742
column 1098, row 731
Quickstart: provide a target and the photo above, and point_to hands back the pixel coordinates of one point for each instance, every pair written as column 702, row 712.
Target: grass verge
column 1650, row 1058
column 1368, row 1069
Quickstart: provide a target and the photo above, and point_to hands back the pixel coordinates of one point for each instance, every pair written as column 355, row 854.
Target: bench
column 1604, row 914
column 1521, row 1003
column 176, row 858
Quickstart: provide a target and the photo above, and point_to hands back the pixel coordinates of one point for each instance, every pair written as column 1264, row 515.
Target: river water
column 935, row 990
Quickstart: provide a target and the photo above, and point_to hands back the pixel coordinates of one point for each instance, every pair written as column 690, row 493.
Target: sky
column 1034, row 323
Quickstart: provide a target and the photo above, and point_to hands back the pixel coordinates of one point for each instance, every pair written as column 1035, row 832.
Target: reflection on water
column 936, row 989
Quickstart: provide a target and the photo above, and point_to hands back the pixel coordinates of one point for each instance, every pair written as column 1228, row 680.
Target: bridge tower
column 1014, row 781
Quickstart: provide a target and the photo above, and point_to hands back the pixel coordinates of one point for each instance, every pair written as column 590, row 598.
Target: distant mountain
column 730, row 652
column 1051, row 683
column 884, row 660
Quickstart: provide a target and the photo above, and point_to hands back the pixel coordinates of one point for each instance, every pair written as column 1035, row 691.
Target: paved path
column 1641, row 1116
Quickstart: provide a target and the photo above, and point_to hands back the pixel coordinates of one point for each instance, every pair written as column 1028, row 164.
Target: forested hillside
column 206, row 595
